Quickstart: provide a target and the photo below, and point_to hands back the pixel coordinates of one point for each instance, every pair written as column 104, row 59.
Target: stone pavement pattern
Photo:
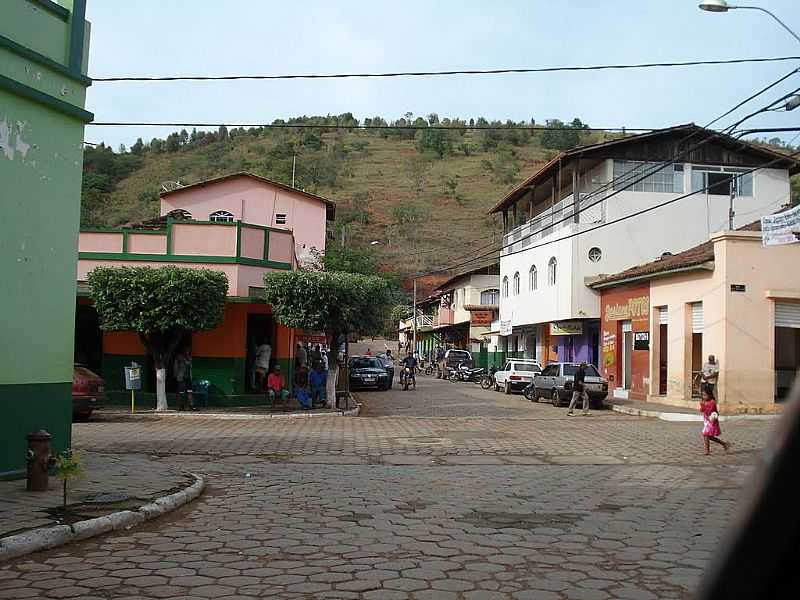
column 320, row 508
column 132, row 480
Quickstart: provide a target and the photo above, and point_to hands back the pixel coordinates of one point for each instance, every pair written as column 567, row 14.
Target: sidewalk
column 110, row 483
column 666, row 412
column 222, row 412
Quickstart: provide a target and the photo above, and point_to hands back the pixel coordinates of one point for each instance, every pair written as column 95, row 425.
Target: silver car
column 555, row 383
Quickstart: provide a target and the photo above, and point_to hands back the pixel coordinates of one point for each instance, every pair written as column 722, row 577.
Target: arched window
column 551, row 271
column 533, row 279
column 221, row 216
column 516, row 283
column 490, row 297
column 505, row 286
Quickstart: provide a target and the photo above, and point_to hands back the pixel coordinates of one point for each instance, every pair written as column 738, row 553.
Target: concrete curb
column 231, row 416
column 44, row 538
column 685, row 417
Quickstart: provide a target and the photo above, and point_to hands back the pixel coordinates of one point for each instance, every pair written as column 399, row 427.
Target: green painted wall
column 41, row 154
column 27, row 408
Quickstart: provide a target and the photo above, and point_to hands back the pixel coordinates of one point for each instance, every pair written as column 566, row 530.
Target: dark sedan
column 368, row 372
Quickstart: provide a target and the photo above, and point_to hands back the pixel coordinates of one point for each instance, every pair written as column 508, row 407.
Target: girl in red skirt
column 711, row 430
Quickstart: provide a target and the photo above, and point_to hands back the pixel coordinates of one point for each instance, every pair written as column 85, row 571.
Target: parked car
column 455, row 357
column 516, row 374
column 88, row 392
column 556, row 380
column 368, row 372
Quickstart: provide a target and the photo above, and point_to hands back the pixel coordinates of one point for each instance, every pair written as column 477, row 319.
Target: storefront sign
column 780, row 228
column 641, row 340
column 311, row 337
column 636, row 308
column 566, row 328
column 738, row 287
column 481, row 318
column 609, row 349
column 505, row 328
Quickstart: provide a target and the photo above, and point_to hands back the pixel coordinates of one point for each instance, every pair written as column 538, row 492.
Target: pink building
column 242, row 225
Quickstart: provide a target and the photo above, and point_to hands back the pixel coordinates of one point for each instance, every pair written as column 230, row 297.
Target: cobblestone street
column 446, row 492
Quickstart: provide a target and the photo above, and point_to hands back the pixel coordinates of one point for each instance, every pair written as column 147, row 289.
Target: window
column 221, row 216
column 718, row 181
column 505, row 286
column 570, row 370
column 489, row 297
column 533, row 278
column 280, row 218
column 516, row 283
column 551, row 271
column 550, row 371
column 638, row 176
column 595, row 254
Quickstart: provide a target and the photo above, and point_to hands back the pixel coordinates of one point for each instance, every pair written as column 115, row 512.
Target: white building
column 545, row 265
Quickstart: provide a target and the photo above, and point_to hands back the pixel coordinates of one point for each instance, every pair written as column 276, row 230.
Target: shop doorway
column 697, row 346
column 787, row 347
column 662, row 359
column 88, row 338
column 627, row 354
column 260, row 329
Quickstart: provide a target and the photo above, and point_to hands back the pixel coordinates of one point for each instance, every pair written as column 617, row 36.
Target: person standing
column 300, row 355
column 711, row 428
column 182, row 370
column 316, row 357
column 579, row 391
column 388, row 364
column 317, row 383
column 263, row 355
column 709, row 376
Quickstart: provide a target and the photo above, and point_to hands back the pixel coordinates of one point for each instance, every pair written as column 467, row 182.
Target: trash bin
column 200, row 391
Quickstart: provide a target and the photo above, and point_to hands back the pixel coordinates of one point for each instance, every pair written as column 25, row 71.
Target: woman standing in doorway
column 711, row 429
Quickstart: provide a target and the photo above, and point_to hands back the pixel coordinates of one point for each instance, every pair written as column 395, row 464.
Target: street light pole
column 414, row 321
column 722, row 6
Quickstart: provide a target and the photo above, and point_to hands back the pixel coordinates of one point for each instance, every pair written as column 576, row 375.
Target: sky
column 213, row 37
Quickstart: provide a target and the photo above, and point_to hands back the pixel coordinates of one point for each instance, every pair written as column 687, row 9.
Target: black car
column 368, row 372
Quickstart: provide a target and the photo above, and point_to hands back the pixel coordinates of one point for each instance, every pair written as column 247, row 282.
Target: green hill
column 422, row 193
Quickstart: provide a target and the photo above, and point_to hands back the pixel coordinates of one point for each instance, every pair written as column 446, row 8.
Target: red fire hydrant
column 39, row 460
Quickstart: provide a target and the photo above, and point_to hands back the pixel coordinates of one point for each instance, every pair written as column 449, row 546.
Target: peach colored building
column 242, row 225
column 731, row 297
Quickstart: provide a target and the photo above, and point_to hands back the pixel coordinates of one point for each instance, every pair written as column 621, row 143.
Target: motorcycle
column 467, row 374
column 530, row 392
column 407, row 378
column 487, row 381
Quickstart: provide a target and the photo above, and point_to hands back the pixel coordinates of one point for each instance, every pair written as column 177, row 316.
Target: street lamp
column 718, row 6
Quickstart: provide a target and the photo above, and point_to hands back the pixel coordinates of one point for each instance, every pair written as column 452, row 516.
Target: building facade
column 731, row 297
column 43, row 65
column 571, row 222
column 220, row 240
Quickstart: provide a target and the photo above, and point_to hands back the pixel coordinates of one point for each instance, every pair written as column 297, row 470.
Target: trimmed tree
column 334, row 302
column 162, row 305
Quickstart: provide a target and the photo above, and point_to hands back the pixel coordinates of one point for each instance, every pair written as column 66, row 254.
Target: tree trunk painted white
column 330, row 389
column 161, row 389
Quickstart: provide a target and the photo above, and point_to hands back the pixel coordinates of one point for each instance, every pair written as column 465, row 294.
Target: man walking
column 709, row 376
column 263, row 355
column 579, row 390
column 388, row 363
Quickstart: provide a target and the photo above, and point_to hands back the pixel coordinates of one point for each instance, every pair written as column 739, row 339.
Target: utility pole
column 414, row 322
column 731, row 212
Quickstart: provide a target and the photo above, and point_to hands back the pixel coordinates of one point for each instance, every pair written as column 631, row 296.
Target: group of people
column 310, row 378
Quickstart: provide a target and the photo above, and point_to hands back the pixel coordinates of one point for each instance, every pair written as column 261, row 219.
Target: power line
column 607, row 67
column 644, row 176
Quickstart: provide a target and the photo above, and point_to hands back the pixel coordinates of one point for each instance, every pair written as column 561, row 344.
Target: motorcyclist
column 410, row 361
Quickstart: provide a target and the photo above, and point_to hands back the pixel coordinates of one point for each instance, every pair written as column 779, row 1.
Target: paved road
column 443, row 493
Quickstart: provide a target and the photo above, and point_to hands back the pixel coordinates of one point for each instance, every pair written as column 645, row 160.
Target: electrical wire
column 607, row 67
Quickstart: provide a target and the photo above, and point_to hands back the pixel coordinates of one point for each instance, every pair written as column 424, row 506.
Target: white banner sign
column 505, row 327
column 779, row 228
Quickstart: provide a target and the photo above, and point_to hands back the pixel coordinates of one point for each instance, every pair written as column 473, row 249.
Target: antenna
column 168, row 186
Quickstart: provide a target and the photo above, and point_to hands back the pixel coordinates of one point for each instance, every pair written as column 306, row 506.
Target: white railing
column 424, row 321
column 592, row 209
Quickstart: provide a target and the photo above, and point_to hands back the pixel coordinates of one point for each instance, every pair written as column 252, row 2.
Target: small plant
column 68, row 464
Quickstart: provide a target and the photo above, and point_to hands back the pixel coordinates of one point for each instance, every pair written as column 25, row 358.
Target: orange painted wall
column 122, row 342
column 611, row 338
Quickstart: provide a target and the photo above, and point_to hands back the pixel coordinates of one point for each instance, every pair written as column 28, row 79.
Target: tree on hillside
column 337, row 303
column 351, row 260
column 417, row 168
column 556, row 138
column 437, row 141
column 138, row 147
column 163, row 306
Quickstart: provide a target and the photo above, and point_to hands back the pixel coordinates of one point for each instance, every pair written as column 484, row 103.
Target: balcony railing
column 592, row 209
column 424, row 321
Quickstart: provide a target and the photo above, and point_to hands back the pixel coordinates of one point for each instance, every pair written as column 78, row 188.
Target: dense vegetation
column 420, row 194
